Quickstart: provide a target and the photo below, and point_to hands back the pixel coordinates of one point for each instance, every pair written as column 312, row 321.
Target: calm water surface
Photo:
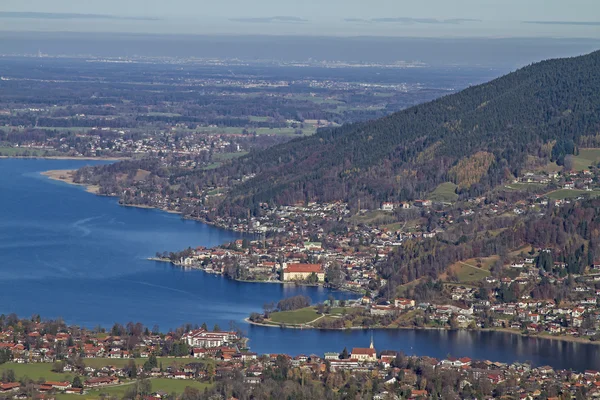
column 67, row 253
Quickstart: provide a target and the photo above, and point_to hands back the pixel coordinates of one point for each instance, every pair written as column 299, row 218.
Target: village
column 95, row 363
column 295, row 245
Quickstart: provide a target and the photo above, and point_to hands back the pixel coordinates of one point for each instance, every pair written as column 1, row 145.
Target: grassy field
column 228, row 156
column 300, row 316
column 158, row 384
column 444, row 192
column 561, row 194
column 376, row 217
column 44, row 370
column 585, row 158
column 255, row 118
column 37, row 371
column 177, row 386
column 473, row 270
column 525, row 186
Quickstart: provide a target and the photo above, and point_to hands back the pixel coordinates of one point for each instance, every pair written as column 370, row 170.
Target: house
column 456, row 362
column 301, row 272
column 382, row 310
column 59, row 385
column 101, row 381
column 343, row 364
column 387, row 356
column 9, row 387
column 422, row 203
column 252, row 380
column 404, row 303
column 180, row 375
column 387, row 206
column 199, row 352
column 415, row 394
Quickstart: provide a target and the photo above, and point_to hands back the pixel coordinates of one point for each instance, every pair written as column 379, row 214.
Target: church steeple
column 372, row 346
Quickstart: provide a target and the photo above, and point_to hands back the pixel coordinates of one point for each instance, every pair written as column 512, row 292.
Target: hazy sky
column 495, row 18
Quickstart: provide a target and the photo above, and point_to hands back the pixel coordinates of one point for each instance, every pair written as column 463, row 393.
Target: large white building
column 206, row 339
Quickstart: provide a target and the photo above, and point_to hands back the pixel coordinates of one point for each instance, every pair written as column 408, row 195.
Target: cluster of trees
column 293, row 303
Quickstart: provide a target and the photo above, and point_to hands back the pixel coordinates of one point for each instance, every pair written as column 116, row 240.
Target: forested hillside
column 475, row 138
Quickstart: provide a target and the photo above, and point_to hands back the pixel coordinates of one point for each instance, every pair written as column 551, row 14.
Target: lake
column 67, row 253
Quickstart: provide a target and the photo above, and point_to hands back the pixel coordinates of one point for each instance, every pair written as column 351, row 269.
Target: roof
column 55, row 383
column 10, row 385
column 304, row 268
column 365, row 351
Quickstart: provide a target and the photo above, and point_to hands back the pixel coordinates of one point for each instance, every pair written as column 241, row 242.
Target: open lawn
column 445, row 192
column 301, row 316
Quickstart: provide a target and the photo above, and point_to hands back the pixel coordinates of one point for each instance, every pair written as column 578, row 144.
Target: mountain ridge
column 405, row 155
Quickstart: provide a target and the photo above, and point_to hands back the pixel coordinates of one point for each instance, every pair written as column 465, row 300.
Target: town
column 133, row 362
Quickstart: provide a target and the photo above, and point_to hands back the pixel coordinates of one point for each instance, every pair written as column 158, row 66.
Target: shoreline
column 66, row 176
column 561, row 338
column 83, row 158
column 211, row 272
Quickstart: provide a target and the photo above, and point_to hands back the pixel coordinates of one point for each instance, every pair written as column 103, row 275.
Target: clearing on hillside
column 445, row 192
column 585, row 159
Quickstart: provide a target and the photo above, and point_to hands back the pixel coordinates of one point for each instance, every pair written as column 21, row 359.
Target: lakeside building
column 301, row 272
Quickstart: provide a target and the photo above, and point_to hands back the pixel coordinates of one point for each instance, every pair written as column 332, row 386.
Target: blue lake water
column 67, row 253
